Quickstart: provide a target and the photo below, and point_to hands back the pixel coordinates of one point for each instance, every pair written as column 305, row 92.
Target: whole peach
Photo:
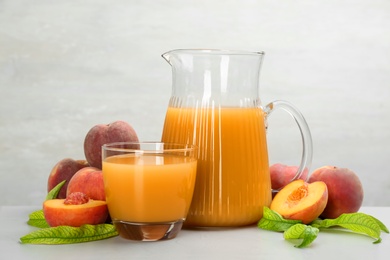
column 118, row 131
column 64, row 170
column 282, row 174
column 344, row 188
column 89, row 181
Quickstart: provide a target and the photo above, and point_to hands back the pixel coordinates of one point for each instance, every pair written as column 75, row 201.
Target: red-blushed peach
column 89, row 181
column 299, row 200
column 344, row 187
column 64, row 170
column 76, row 211
column 282, row 174
column 118, row 131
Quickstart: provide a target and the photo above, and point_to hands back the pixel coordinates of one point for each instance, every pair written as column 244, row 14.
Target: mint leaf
column 273, row 221
column 356, row 222
column 54, row 192
column 69, row 235
column 300, row 231
column 37, row 219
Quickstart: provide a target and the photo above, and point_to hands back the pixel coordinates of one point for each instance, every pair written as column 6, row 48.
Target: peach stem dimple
column 298, row 194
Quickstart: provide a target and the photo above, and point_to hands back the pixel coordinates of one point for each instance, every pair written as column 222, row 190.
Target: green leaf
column 69, row 235
column 380, row 224
column 300, row 231
column 356, row 222
column 294, row 229
column 54, row 192
column 273, row 221
column 37, row 219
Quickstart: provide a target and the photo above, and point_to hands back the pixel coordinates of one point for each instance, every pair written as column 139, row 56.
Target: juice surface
column 233, row 181
column 146, row 188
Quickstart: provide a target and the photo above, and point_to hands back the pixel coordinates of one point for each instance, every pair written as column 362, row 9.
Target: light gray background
column 68, row 65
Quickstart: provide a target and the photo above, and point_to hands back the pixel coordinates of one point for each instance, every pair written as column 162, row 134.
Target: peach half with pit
column 282, row 174
column 76, row 210
column 118, row 131
column 64, row 170
column 344, row 187
column 88, row 180
column 300, row 200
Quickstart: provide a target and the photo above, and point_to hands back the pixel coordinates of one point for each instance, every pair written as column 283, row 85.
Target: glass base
column 148, row 231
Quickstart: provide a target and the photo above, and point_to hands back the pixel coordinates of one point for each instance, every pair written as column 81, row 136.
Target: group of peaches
column 328, row 192
column 82, row 199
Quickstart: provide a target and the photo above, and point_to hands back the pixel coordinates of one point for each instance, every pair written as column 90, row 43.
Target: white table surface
column 240, row 243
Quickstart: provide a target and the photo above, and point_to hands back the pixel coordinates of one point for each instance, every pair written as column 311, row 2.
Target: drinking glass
column 149, row 187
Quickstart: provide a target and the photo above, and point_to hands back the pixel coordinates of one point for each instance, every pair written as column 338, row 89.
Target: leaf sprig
column 53, row 193
column 360, row 223
column 70, row 235
column 37, row 219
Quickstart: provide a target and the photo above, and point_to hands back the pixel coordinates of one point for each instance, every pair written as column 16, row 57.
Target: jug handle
column 307, row 151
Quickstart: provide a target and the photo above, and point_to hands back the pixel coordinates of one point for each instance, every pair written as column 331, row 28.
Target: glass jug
column 215, row 105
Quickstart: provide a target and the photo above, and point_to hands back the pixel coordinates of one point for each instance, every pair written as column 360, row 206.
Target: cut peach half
column 59, row 214
column 299, row 200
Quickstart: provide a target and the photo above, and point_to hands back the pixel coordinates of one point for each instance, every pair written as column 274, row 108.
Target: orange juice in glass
column 149, row 187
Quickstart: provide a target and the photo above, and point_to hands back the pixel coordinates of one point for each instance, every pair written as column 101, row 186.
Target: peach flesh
column 59, row 214
column 344, row 188
column 299, row 200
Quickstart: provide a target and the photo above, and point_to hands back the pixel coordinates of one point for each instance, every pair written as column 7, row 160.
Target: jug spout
column 227, row 77
column 167, row 57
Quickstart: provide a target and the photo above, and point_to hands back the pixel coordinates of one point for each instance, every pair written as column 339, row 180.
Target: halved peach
column 57, row 213
column 299, row 200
